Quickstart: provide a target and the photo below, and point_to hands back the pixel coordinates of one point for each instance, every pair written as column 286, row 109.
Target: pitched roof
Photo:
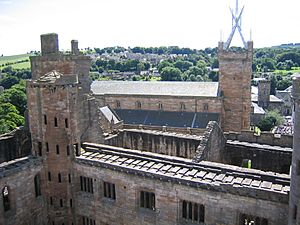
column 167, row 88
column 166, row 118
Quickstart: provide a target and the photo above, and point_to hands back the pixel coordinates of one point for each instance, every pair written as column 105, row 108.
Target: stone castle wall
column 220, row 207
column 25, row 207
column 169, row 103
column 15, row 144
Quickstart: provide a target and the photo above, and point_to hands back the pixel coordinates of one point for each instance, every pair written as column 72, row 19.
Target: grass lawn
column 16, row 61
column 285, row 72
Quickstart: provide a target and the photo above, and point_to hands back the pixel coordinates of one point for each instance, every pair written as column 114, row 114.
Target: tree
column 164, row 64
column 170, row 74
column 183, row 65
column 272, row 119
column 9, row 118
column 8, row 81
column 16, row 97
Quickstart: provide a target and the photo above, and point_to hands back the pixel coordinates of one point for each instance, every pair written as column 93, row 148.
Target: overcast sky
column 105, row 23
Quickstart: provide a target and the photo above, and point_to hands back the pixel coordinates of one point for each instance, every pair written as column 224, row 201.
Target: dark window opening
column 109, row 190
column 37, row 185
column 71, row 203
column 61, row 203
column 55, row 122
column 49, row 176
column 45, row 119
column 138, row 105
column 57, row 149
column 205, row 106
column 66, row 123
column 193, row 211
column 69, row 176
column 68, row 150
column 86, row 184
column 51, row 201
column 182, row 106
column 40, row 146
column 88, row 221
column 77, row 149
column 160, row 106
column 147, row 200
column 5, row 198
column 47, row 146
column 252, row 220
column 59, row 178
column 295, row 212
column 118, row 104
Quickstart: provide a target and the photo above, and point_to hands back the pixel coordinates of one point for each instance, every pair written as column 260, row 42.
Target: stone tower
column 264, row 89
column 235, row 71
column 294, row 217
column 62, row 114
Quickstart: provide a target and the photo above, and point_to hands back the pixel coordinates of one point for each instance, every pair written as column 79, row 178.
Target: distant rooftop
column 167, row 88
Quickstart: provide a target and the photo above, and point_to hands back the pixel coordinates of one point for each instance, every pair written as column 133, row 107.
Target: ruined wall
column 235, row 69
column 220, row 207
column 25, row 207
column 162, row 142
column 169, row 103
column 266, row 158
column 15, row 144
column 212, row 144
column 264, row 138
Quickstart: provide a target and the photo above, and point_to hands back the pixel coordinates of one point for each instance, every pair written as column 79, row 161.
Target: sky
column 106, row 23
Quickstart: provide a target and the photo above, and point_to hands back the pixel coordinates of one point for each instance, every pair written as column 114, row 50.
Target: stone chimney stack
column 49, row 44
column 74, row 47
column 294, row 216
column 264, row 90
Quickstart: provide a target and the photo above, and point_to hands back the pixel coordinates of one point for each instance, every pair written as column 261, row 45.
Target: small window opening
column 40, row 146
column 61, row 203
column 55, row 122
column 37, row 185
column 68, row 150
column 47, row 146
column 59, row 178
column 49, row 176
column 57, row 149
column 66, row 123
column 45, row 119
column 5, row 198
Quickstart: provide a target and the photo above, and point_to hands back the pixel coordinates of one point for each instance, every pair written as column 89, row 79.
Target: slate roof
column 206, row 175
column 166, row 118
column 109, row 114
column 257, row 109
column 254, row 96
column 167, row 88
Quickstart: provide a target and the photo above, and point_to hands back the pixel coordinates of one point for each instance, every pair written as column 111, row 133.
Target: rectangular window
column 49, row 176
column 69, row 176
column 5, row 197
column 40, row 147
column 57, row 149
column 59, row 178
column 61, row 203
column 55, row 122
column 47, row 146
column 295, row 212
column 66, row 123
column 205, row 106
column 71, row 203
column 109, row 190
column 86, row 184
column 37, row 185
column 51, row 201
column 45, row 119
column 88, row 221
column 76, row 146
column 147, row 200
column 193, row 212
column 68, row 150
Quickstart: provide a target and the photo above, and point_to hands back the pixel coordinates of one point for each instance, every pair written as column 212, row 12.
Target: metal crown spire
column 236, row 24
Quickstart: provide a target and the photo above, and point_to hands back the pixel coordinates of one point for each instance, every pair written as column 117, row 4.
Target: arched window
column 5, row 197
column 160, row 106
column 118, row 104
column 138, row 104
